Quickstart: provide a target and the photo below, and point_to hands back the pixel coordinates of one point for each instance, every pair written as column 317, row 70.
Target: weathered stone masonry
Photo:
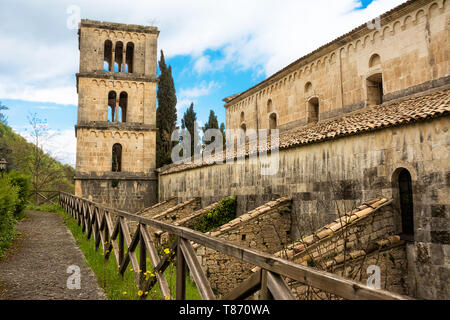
column 116, row 111
column 356, row 148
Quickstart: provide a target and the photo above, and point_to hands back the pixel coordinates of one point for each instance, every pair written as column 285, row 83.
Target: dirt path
column 35, row 268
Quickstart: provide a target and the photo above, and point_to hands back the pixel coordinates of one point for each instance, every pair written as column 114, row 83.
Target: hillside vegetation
column 29, row 172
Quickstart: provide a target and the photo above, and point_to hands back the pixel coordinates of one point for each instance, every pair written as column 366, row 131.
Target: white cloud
column 40, row 56
column 201, row 90
column 39, row 60
column 58, row 95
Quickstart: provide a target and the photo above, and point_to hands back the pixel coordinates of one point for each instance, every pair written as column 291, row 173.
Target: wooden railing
column 109, row 228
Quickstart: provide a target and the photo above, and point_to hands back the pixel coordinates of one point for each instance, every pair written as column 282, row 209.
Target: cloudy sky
column 216, row 48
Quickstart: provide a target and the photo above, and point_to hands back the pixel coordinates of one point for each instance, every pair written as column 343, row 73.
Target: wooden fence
column 109, row 228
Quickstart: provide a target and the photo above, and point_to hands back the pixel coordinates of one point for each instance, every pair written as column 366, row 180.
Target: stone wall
column 130, row 195
column 354, row 230
column 416, row 34
column 267, row 229
column 341, row 172
column 393, row 264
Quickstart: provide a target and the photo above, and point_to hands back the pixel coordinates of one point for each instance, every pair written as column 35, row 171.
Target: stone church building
column 363, row 117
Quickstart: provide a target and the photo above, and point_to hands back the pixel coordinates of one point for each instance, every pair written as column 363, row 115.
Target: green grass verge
column 116, row 286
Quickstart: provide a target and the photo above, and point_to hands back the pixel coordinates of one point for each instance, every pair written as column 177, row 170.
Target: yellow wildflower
column 140, row 293
column 124, row 293
column 167, row 297
column 167, row 251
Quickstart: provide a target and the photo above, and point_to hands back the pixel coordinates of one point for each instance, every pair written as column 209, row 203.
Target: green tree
column 166, row 114
column 3, row 118
column 189, row 123
column 211, row 124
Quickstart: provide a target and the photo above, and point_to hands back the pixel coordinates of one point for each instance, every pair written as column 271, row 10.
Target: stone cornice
column 116, row 76
column 125, row 126
column 115, row 176
column 118, row 26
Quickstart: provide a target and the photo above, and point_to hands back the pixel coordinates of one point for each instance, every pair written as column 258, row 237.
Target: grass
column 116, row 286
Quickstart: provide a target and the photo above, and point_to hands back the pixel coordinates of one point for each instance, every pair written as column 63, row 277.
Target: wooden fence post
column 181, row 273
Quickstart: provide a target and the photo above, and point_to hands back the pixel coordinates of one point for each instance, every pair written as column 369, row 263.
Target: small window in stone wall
column 374, row 85
column 313, row 110
column 273, row 121
column 117, row 158
column 107, row 56
column 118, row 63
column 406, row 203
column 129, row 57
column 269, row 106
column 374, row 61
column 308, row 88
column 111, row 106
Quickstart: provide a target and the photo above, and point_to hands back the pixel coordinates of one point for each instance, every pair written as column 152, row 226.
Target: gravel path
column 35, row 267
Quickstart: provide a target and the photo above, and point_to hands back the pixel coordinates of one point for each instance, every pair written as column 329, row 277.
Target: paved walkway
column 35, row 267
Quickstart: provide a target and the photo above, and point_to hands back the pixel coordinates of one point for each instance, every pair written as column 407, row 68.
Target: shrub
column 223, row 213
column 22, row 183
column 8, row 202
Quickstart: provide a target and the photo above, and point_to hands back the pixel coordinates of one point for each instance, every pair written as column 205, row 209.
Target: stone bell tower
column 116, row 128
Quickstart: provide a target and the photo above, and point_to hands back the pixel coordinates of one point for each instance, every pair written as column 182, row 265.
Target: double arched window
column 117, row 109
column 118, row 57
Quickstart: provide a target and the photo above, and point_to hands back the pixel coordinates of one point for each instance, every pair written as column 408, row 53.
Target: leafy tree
column 189, row 123
column 3, row 118
column 166, row 114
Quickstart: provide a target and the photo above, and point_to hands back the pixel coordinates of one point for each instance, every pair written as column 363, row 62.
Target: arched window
column 107, row 56
column 242, row 116
column 129, row 57
column 118, row 65
column 374, row 85
column 313, row 110
column 244, row 127
column 111, row 106
column 406, row 203
column 374, row 61
column 308, row 88
column 123, row 102
column 269, row 106
column 273, row 121
column 117, row 158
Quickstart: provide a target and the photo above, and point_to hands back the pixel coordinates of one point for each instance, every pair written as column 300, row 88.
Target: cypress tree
column 224, row 134
column 189, row 123
column 211, row 124
column 166, row 114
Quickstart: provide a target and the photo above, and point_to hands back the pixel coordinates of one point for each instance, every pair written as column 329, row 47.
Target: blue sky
column 214, row 50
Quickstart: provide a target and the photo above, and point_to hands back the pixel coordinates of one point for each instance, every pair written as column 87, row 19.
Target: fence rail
column 109, row 228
